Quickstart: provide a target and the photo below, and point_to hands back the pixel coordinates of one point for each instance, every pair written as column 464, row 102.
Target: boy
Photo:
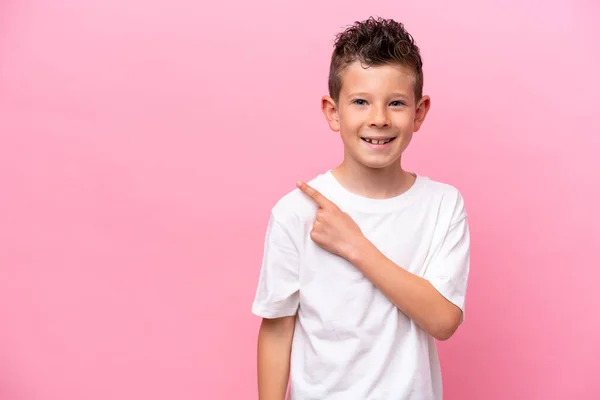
column 367, row 264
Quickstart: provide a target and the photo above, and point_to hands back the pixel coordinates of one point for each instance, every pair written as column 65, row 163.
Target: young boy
column 367, row 264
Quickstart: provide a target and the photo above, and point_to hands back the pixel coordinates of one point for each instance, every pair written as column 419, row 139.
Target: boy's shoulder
column 444, row 195
column 296, row 206
column 440, row 188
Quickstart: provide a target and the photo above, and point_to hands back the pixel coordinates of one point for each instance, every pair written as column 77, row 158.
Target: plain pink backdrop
column 143, row 144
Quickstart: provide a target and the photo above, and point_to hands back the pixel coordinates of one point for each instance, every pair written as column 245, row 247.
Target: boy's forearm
column 274, row 350
column 414, row 296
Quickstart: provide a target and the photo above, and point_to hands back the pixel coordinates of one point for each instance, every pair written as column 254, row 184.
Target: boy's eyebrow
column 363, row 94
column 400, row 94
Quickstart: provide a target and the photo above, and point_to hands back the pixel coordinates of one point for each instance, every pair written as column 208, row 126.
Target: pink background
column 144, row 142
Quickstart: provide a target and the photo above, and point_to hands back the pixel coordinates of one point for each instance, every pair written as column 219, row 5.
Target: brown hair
column 374, row 42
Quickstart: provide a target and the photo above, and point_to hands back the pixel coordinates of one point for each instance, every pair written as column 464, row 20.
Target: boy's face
column 376, row 113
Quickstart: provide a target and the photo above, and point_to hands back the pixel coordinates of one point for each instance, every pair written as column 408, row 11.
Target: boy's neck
column 374, row 183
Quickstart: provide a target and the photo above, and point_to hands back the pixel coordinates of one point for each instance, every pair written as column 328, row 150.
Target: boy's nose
column 379, row 117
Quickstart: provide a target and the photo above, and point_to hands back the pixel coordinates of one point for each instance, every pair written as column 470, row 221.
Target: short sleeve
column 277, row 294
column 448, row 270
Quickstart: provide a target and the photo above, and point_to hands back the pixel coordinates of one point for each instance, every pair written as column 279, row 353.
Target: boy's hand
column 333, row 229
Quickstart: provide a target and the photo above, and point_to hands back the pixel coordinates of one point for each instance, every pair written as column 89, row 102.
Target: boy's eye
column 397, row 103
column 360, row 102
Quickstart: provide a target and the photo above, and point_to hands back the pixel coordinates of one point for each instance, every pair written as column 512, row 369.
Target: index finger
column 314, row 194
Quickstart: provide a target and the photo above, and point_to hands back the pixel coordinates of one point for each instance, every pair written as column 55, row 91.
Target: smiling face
column 376, row 114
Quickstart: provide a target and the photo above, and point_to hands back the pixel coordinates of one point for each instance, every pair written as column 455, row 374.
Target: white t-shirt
column 350, row 342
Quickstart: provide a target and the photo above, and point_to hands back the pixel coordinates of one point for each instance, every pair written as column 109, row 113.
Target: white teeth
column 378, row 141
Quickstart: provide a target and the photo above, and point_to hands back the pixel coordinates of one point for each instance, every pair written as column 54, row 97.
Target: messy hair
column 374, row 42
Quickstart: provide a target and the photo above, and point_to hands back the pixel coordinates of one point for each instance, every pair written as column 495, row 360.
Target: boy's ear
column 330, row 112
column 423, row 107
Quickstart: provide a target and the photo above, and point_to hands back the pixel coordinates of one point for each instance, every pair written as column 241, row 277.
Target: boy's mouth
column 378, row 141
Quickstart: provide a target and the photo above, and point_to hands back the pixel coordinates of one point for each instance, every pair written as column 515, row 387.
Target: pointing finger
column 321, row 200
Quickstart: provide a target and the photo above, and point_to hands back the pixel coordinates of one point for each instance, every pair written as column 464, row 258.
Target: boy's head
column 376, row 96
column 375, row 42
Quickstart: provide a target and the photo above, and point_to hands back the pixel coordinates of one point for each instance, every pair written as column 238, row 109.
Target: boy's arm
column 413, row 295
column 274, row 348
column 277, row 301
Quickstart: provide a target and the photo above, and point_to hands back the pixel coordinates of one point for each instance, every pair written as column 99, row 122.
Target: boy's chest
column 405, row 238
